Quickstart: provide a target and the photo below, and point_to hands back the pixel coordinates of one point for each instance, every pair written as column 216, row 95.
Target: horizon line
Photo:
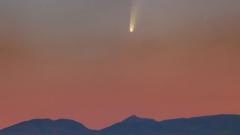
column 136, row 116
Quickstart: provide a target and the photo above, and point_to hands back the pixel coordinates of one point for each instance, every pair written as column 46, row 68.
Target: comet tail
column 134, row 15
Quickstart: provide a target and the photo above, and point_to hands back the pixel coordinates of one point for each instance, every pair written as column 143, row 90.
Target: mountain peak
column 69, row 123
column 133, row 117
column 136, row 119
column 51, row 121
column 66, row 121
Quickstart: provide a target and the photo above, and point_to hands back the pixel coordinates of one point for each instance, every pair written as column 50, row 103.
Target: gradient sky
column 76, row 59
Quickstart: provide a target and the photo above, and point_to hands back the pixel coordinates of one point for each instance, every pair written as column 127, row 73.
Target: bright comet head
column 131, row 29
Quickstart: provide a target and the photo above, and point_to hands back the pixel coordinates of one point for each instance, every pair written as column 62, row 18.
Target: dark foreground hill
column 208, row 125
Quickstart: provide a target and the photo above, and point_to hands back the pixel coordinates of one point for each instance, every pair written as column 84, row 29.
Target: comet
column 136, row 5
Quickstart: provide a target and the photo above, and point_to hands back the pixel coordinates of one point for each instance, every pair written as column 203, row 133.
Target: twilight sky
column 77, row 59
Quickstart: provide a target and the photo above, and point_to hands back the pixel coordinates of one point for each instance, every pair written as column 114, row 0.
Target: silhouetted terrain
column 208, row 125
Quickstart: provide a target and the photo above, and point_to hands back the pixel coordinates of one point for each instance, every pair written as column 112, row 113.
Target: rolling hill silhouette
column 206, row 125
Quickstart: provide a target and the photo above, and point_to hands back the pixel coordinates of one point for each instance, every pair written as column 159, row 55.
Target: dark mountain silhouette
column 206, row 125
column 47, row 127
